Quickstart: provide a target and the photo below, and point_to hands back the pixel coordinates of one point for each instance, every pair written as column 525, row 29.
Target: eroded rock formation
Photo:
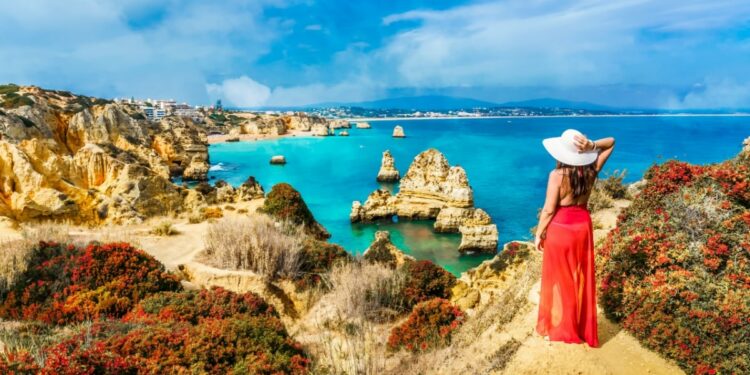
column 432, row 189
column 363, row 125
column 382, row 250
column 388, row 171
column 69, row 157
column 398, row 132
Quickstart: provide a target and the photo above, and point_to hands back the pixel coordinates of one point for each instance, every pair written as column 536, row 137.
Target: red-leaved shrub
column 64, row 283
column 211, row 331
column 676, row 270
column 426, row 280
column 430, row 325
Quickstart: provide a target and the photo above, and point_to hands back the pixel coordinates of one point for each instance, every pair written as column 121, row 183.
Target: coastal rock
column 344, row 133
column 278, row 159
column 388, row 171
column 339, row 124
column 265, row 125
column 493, row 277
column 380, row 205
column 451, row 218
column 184, row 147
column 363, row 125
column 382, row 250
column 478, row 238
column 746, row 146
column 249, row 190
column 430, row 184
column 88, row 160
column 398, row 132
column 284, row 203
column 321, row 130
column 304, row 122
column 432, row 189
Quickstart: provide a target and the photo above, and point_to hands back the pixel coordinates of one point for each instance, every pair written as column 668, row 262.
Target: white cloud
column 559, row 43
column 240, row 92
column 314, row 27
column 121, row 49
column 723, row 93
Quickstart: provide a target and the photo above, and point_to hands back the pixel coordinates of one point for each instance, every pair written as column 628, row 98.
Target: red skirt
column 567, row 304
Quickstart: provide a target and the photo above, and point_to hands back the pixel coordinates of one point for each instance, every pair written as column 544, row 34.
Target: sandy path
column 619, row 353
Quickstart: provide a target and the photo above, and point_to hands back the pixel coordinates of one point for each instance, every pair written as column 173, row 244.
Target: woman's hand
column 583, row 144
column 539, row 243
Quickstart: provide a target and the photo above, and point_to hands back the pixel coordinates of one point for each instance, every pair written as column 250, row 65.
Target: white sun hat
column 564, row 150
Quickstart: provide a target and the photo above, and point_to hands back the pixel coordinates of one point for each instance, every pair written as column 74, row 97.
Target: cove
column 503, row 158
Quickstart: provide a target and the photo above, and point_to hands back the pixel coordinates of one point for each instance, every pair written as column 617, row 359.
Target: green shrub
column 8, row 89
column 286, row 204
column 430, row 325
column 675, row 270
column 16, row 101
column 613, row 185
column 317, row 258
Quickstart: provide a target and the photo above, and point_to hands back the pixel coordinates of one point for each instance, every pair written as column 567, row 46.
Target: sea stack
column 278, row 160
column 363, row 125
column 344, row 133
column 388, row 171
column 382, row 250
column 432, row 189
column 398, row 132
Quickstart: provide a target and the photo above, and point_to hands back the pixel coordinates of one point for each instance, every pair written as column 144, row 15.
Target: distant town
column 156, row 109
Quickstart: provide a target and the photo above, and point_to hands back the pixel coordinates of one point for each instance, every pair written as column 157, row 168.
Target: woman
column 567, row 305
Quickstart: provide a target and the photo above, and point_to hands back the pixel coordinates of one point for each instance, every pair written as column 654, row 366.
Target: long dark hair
column 580, row 179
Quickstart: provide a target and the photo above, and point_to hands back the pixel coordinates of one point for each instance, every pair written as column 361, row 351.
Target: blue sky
column 631, row 53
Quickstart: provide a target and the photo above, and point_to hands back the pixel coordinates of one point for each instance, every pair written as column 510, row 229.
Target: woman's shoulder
column 556, row 175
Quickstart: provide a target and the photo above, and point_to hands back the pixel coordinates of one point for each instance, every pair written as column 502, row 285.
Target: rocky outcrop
column 184, row 146
column 432, row 189
column 493, row 277
column 746, row 146
column 388, row 171
column 88, row 160
column 363, row 125
column 398, row 132
column 278, row 159
column 249, row 190
column 321, row 130
column 344, row 133
column 339, row 124
column 382, row 250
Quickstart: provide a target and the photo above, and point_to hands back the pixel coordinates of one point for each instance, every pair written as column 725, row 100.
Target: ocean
column 503, row 158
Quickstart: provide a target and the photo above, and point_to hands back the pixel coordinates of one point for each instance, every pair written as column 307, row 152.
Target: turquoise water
column 504, row 159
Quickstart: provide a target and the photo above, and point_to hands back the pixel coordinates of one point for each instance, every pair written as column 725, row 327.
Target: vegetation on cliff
column 675, row 270
column 285, row 203
column 135, row 319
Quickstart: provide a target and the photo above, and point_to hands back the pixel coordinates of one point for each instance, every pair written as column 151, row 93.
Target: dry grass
column 364, row 290
column 165, row 228
column 255, row 243
column 14, row 254
column 600, row 200
column 350, row 331
column 351, row 347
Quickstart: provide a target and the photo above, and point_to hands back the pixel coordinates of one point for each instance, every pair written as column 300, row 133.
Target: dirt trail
column 619, row 352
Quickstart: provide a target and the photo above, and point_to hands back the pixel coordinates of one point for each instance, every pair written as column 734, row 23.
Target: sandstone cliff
column 277, row 124
column 69, row 157
column 398, row 132
column 432, row 189
column 388, row 171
